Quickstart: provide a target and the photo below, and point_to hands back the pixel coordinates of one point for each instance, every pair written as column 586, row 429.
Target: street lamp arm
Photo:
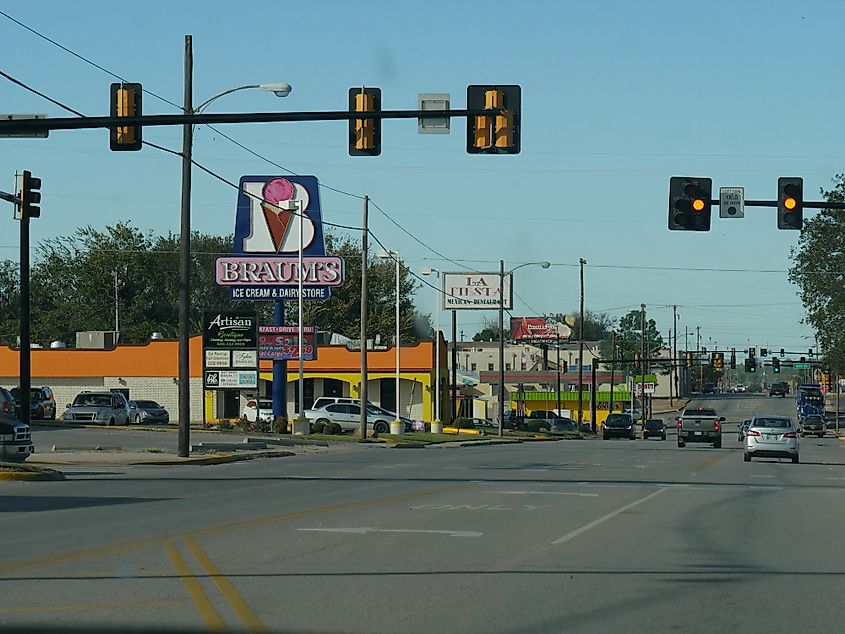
column 280, row 90
column 543, row 265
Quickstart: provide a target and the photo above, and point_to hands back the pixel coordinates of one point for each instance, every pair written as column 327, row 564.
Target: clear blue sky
column 617, row 97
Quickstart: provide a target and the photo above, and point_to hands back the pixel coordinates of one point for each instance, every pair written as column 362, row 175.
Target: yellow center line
column 201, row 601
column 250, row 618
column 146, row 542
column 710, row 462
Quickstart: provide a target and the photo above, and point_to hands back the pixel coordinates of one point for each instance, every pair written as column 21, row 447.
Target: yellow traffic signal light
column 690, row 203
column 790, row 202
column 125, row 102
column 30, row 196
column 365, row 133
column 499, row 132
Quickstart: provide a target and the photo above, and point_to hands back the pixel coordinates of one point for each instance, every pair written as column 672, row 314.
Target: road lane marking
column 762, row 476
column 96, row 606
column 239, row 605
column 582, row 495
column 710, row 462
column 363, row 530
column 201, row 601
column 58, row 558
column 609, row 516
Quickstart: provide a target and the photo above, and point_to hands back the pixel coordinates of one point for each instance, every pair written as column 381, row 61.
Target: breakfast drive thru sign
column 264, row 264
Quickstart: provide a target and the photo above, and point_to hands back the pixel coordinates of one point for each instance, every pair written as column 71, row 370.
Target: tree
column 819, row 272
column 489, row 331
column 629, row 340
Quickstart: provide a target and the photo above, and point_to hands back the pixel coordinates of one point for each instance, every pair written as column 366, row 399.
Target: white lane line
column 609, row 516
column 362, row 530
column 582, row 495
column 762, row 476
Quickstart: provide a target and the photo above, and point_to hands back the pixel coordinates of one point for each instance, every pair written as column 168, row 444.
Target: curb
column 31, row 475
column 220, row 459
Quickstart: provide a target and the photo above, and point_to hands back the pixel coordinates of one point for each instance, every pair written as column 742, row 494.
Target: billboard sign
column 230, row 349
column 475, row 291
column 281, row 343
column 263, row 264
column 538, row 329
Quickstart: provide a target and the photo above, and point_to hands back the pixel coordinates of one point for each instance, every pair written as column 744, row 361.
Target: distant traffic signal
column 125, row 102
column 689, row 359
column 763, row 352
column 782, row 353
column 790, row 203
column 750, row 364
column 775, row 365
column 365, row 133
column 496, row 133
column 752, row 352
column 718, row 361
column 733, row 358
column 30, row 196
column 689, row 203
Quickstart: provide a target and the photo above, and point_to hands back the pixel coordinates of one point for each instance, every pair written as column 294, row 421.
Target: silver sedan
column 771, row 436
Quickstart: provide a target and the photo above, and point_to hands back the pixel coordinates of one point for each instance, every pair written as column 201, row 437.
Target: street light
column 544, row 265
column 436, row 424
column 184, row 416
column 396, row 424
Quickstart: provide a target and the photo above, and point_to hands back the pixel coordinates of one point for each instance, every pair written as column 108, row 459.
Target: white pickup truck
column 700, row 424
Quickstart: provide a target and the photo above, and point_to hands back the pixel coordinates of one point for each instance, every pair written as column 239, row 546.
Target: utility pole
column 362, row 390
column 184, row 441
column 698, row 356
column 558, row 373
column 454, row 398
column 25, row 349
column 116, row 305
column 642, row 364
column 612, row 369
column 671, row 372
column 675, row 349
column 501, row 347
column 581, row 263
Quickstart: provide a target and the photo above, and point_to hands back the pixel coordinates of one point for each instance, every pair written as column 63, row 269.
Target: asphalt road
column 578, row 536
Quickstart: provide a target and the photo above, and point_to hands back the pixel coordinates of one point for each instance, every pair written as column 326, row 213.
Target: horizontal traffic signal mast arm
column 89, row 123
column 773, row 203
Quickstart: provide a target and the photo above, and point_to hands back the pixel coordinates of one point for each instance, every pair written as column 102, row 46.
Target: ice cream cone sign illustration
column 282, row 203
column 273, row 210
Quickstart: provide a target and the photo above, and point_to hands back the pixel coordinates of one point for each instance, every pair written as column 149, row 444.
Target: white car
column 348, row 416
column 258, row 410
column 739, row 387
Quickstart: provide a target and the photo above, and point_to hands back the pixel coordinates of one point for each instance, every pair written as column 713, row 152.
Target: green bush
column 333, row 429
column 318, row 427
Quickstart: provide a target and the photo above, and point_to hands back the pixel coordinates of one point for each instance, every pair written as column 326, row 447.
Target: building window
column 489, row 367
column 507, row 366
column 472, row 369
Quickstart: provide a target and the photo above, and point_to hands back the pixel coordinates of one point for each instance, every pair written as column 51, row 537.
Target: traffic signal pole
column 184, row 440
column 24, row 350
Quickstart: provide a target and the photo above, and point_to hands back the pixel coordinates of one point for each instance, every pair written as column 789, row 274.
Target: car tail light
column 5, row 407
column 716, row 424
column 752, row 432
column 790, row 434
column 680, row 423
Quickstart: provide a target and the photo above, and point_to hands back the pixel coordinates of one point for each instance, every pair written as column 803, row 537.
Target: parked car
column 743, row 428
column 42, row 403
column 771, row 436
column 15, row 440
column 258, row 410
column 348, row 416
column 147, row 412
column 107, row 408
column 564, row 424
column 620, row 425
column 654, row 427
column 322, row 401
column 812, row 424
column 8, row 407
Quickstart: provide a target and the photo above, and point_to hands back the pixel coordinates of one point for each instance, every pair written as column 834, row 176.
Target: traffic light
column 775, row 365
column 689, row 359
column 782, row 353
column 752, row 352
column 496, row 133
column 30, row 196
column 125, row 102
column 718, row 361
column 365, row 134
column 750, row 364
column 689, row 203
column 763, row 352
column 790, row 203
column 733, row 358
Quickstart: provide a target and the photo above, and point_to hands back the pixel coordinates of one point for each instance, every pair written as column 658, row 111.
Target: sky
column 617, row 97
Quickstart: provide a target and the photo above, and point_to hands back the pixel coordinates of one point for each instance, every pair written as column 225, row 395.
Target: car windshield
column 93, row 400
column 654, row 424
column 813, row 419
column 618, row 419
column 147, row 404
column 771, row 423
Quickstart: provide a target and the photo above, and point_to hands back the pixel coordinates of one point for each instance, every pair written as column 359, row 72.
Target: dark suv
column 654, row 427
column 42, row 403
column 619, row 425
column 777, row 389
column 813, row 424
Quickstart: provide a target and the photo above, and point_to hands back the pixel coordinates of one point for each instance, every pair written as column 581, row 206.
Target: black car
column 710, row 388
column 42, row 403
column 564, row 424
column 813, row 425
column 654, row 428
column 777, row 389
column 620, row 425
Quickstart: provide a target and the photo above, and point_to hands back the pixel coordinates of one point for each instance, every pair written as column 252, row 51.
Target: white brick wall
column 163, row 390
